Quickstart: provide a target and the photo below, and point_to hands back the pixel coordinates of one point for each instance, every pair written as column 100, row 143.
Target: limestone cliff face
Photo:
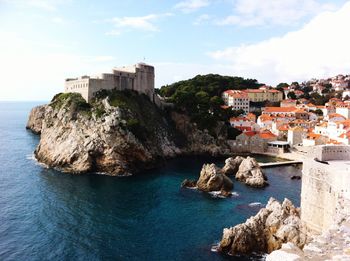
column 35, row 120
column 273, row 225
column 115, row 140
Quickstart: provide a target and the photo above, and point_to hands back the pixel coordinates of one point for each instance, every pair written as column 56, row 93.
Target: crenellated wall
column 325, row 192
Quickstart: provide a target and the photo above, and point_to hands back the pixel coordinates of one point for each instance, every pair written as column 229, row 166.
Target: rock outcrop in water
column 212, row 179
column 250, row 173
column 232, row 165
column 119, row 134
column 273, row 225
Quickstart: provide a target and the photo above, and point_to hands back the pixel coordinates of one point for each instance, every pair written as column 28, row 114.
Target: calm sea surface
column 47, row 215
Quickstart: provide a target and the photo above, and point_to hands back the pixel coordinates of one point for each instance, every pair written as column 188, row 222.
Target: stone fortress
column 325, row 192
column 138, row 77
column 325, row 207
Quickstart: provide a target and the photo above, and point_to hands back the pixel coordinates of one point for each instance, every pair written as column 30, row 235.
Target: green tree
column 319, row 112
column 291, row 95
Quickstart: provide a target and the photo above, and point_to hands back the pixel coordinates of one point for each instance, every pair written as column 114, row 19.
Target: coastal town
column 275, row 119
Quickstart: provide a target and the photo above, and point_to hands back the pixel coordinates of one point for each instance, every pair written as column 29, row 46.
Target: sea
column 48, row 215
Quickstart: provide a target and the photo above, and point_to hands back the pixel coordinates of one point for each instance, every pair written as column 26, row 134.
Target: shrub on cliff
column 70, row 100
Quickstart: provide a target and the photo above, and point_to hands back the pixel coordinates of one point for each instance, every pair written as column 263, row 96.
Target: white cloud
column 202, row 19
column 144, row 23
column 319, row 49
column 272, row 12
column 189, row 6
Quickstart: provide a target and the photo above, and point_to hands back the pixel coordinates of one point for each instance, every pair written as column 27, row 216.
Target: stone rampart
column 325, row 193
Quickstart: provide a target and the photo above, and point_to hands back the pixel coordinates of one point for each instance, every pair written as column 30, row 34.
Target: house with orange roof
column 264, row 94
column 280, row 129
column 344, row 110
column 335, row 117
column 313, row 139
column 244, row 124
column 259, row 142
column 306, row 124
column 253, row 142
column 321, row 128
column 251, row 116
column 237, row 100
column 289, row 103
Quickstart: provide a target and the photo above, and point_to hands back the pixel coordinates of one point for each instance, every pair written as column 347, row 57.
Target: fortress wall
column 325, row 192
column 139, row 77
column 96, row 85
column 80, row 85
column 326, row 153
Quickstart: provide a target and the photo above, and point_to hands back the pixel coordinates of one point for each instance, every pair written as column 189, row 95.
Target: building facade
column 237, row 100
column 262, row 94
column 138, row 77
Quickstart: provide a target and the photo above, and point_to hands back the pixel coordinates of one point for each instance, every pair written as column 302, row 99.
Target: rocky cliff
column 273, row 225
column 118, row 133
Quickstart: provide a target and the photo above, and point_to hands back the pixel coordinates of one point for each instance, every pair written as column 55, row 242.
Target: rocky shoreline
column 117, row 140
column 265, row 232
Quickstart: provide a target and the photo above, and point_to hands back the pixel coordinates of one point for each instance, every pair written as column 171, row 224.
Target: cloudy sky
column 42, row 42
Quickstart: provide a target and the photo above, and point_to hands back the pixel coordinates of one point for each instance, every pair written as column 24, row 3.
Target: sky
column 43, row 42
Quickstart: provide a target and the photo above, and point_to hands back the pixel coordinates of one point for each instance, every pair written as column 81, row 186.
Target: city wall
column 325, row 193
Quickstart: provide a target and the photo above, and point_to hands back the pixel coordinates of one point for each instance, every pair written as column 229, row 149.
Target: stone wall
column 139, row 77
column 325, row 193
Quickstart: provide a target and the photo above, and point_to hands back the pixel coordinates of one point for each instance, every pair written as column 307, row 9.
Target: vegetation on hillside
column 70, row 100
column 200, row 97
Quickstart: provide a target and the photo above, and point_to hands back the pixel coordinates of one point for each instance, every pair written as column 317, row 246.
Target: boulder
column 250, row 173
column 188, row 183
column 232, row 165
column 273, row 226
column 212, row 179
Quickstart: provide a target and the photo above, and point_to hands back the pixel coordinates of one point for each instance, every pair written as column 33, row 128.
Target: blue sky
column 45, row 41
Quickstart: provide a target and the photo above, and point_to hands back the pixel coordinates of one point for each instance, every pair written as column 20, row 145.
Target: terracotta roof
column 279, row 109
column 242, row 128
column 239, row 119
column 333, row 115
column 265, row 117
column 249, row 133
column 266, row 135
column 236, row 93
column 313, row 136
column 283, row 127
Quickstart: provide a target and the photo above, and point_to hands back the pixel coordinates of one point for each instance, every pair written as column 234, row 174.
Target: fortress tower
column 138, row 77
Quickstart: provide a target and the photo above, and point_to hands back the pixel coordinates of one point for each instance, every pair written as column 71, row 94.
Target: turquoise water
column 47, row 215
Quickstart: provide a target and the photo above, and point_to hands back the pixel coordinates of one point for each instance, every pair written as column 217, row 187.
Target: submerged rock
column 212, row 179
column 232, row 165
column 250, row 173
column 266, row 231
